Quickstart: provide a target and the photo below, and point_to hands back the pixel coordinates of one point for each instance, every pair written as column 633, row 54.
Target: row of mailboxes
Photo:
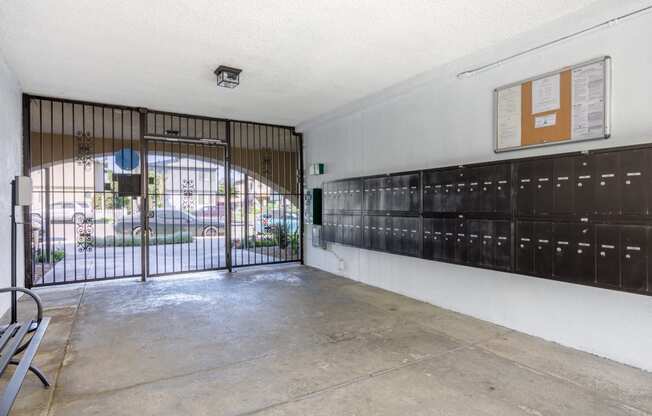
column 398, row 193
column 608, row 255
column 482, row 189
column 344, row 229
column 482, row 243
column 393, row 234
column 343, row 195
column 607, row 184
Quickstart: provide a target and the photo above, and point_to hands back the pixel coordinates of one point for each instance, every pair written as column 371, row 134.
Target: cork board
column 561, row 130
column 567, row 105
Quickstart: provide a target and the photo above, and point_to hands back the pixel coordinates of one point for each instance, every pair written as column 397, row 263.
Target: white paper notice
column 509, row 117
column 588, row 101
column 545, row 94
column 545, row 121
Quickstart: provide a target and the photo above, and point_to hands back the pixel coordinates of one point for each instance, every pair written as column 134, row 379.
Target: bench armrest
column 34, row 296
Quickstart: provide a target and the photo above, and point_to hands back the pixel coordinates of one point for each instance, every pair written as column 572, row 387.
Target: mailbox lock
column 539, row 186
column 579, row 251
column 540, row 248
column 522, row 187
column 499, row 188
column 558, row 249
column 522, row 246
column 500, row 244
column 579, row 184
column 484, row 243
column 627, row 256
column 628, row 182
column 602, row 254
column 602, row 183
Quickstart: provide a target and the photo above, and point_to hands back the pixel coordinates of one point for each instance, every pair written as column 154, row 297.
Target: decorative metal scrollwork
column 85, row 239
column 188, row 190
column 84, row 149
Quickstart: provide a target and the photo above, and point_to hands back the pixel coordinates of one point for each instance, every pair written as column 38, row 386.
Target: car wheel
column 137, row 231
column 78, row 218
column 210, row 231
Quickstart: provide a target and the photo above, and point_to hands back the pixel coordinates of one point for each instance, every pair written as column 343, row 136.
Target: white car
column 65, row 212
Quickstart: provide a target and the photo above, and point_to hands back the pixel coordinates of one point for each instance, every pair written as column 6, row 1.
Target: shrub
column 131, row 241
column 57, row 255
column 262, row 242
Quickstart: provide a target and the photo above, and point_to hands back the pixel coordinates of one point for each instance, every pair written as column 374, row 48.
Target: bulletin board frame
column 606, row 122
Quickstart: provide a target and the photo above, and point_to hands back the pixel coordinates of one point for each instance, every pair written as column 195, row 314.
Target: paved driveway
column 204, row 253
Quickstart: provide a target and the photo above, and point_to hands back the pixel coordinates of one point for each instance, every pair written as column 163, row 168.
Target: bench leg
column 36, row 371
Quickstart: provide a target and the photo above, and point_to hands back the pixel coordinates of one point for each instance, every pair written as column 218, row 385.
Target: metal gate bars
column 122, row 192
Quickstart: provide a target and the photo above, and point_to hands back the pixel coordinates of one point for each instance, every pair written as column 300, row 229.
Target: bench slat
column 11, row 391
column 9, row 331
column 9, row 350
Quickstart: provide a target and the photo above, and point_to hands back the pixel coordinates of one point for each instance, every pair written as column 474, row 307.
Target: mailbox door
column 525, row 183
column 474, row 242
column 607, row 184
column 487, row 243
column 635, row 181
column 634, row 257
column 584, row 185
column 543, row 249
column 564, row 185
column 543, row 195
column 525, row 241
column 608, row 257
column 503, row 244
column 503, row 188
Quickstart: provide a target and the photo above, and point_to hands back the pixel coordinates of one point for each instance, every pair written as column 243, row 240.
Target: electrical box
column 23, row 191
column 317, row 237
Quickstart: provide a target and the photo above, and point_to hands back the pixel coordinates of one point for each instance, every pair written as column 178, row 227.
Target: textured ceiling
column 300, row 58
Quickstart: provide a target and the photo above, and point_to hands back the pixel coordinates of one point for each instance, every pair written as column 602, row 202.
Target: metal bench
column 16, row 338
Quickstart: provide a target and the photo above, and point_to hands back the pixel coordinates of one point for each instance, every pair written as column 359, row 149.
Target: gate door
column 186, row 193
column 186, row 221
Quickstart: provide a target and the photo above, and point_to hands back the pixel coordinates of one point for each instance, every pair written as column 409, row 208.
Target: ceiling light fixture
column 228, row 77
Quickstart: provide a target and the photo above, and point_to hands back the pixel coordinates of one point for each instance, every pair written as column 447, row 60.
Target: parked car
column 211, row 214
column 170, row 221
column 266, row 222
column 65, row 212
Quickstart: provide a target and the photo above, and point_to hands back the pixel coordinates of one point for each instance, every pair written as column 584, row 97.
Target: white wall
column 10, row 166
column 438, row 120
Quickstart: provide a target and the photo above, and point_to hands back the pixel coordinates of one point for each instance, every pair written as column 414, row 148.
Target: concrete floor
column 292, row 340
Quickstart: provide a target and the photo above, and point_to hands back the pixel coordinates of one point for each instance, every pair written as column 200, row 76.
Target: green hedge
column 129, row 241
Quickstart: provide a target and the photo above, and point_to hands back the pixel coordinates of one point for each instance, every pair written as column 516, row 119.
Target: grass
column 130, row 241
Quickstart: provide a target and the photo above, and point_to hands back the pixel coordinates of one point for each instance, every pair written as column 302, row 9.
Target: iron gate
column 93, row 166
column 71, row 150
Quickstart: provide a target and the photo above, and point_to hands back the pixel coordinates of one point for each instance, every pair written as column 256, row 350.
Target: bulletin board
column 568, row 105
